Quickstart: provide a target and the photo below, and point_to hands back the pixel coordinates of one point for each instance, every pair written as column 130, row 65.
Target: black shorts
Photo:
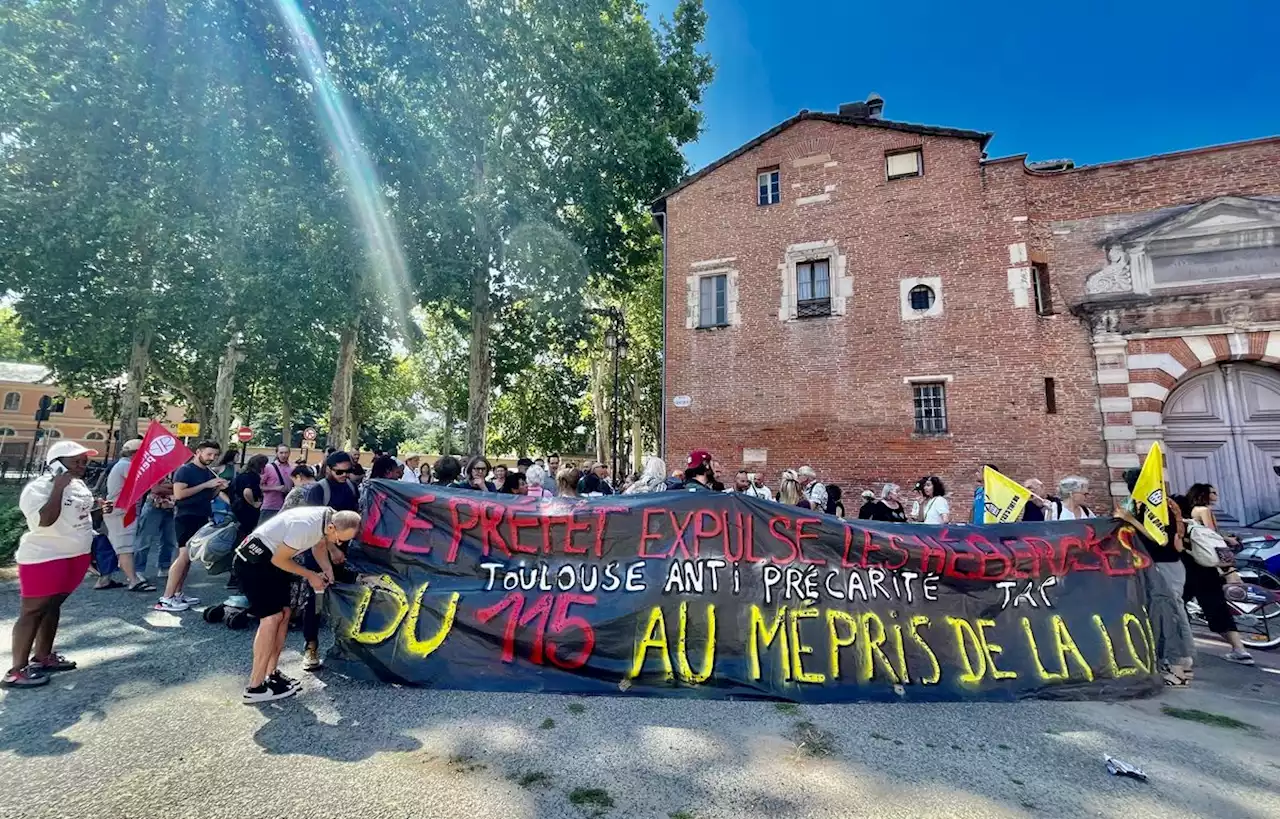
column 186, row 526
column 267, row 587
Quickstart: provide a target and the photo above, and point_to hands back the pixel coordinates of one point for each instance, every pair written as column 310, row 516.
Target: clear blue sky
column 1089, row 80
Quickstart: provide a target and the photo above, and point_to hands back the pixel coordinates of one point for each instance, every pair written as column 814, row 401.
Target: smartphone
column 57, row 468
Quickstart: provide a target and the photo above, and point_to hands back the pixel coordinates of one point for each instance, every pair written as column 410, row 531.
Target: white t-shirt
column 69, row 536
column 119, row 534
column 762, row 492
column 1059, row 511
column 299, row 528
column 410, row 474
column 935, row 508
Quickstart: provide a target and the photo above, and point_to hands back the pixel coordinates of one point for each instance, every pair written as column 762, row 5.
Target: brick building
column 882, row 301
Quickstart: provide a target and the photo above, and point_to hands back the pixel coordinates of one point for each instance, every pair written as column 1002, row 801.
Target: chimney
column 854, row 109
column 875, row 105
column 864, row 110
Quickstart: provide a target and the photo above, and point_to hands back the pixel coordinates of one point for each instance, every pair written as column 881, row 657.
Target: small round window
column 921, row 297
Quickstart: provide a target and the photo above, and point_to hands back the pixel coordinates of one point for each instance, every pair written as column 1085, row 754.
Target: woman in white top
column 264, row 565
column 936, row 509
column 1074, row 491
column 53, row 557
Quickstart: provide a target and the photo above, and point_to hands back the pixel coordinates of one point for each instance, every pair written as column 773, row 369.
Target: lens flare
column 364, row 192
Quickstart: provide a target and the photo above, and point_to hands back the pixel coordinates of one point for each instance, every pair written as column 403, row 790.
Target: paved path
column 151, row 725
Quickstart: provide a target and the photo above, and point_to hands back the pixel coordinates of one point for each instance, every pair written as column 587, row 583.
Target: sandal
column 113, row 584
column 1174, row 681
column 142, row 586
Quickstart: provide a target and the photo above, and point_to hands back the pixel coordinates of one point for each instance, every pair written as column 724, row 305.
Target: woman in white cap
column 53, row 557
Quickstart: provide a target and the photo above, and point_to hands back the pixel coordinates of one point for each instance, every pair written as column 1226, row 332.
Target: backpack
column 1085, row 512
column 214, row 546
column 99, row 487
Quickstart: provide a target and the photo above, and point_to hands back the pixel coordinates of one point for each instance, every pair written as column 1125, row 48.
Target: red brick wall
column 830, row 391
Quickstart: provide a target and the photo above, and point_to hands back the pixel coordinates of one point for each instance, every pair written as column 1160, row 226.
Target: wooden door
column 1223, row 427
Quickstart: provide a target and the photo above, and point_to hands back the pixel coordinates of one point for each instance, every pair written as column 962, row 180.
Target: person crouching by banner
column 265, row 565
column 53, row 557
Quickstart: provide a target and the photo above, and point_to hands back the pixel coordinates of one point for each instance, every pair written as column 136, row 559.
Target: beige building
column 21, row 387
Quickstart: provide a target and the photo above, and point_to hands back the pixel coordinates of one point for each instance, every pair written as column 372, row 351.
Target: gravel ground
column 151, row 725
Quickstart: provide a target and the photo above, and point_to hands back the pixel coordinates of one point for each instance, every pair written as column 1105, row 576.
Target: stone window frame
column 840, row 282
column 918, row 150
column 905, row 286
column 943, row 381
column 693, row 294
column 16, row 404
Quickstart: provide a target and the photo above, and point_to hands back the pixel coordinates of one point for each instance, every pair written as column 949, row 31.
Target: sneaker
column 1241, row 657
column 24, row 678
column 284, row 679
column 311, row 659
column 266, row 693
column 52, row 664
column 174, row 604
column 190, row 601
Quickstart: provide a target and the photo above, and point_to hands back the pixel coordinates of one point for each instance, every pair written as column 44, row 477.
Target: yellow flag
column 1148, row 494
column 1004, row 497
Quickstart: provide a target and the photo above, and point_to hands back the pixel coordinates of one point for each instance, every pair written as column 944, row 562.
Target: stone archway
column 1221, row 425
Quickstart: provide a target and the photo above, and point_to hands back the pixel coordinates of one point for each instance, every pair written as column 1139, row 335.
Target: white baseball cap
column 67, row 449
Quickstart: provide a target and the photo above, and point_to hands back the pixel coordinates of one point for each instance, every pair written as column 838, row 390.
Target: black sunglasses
column 340, row 471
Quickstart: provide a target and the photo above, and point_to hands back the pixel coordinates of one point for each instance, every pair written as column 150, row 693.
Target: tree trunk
column 600, row 408
column 446, row 437
column 131, row 396
column 340, row 401
column 637, row 444
column 480, row 381
column 286, row 421
column 224, row 390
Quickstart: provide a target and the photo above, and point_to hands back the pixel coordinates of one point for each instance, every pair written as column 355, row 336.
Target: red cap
column 698, row 456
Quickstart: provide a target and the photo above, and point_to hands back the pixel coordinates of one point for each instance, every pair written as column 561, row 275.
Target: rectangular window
column 713, row 302
column 903, row 164
column 813, row 288
column 1050, row 396
column 12, row 402
column 768, row 187
column 931, row 408
column 1040, row 286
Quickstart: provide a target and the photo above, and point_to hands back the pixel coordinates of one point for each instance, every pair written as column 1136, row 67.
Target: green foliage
column 13, row 345
column 12, row 524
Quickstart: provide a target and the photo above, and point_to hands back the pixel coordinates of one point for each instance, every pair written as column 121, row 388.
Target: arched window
column 922, row 297
column 12, row 401
column 51, row 432
column 8, row 432
column 95, row 435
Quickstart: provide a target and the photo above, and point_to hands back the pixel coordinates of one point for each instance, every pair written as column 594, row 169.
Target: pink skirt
column 51, row 577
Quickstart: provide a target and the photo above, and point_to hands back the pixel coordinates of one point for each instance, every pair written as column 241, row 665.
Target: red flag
column 160, row 454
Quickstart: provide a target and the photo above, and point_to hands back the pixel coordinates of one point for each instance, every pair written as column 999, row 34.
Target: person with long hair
column 936, row 509
column 652, row 478
column 789, row 491
column 1205, row 583
column 514, row 483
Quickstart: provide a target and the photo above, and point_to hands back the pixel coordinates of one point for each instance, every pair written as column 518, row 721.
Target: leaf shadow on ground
column 653, row 757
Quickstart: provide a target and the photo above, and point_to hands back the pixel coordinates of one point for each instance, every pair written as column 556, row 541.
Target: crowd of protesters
column 292, row 523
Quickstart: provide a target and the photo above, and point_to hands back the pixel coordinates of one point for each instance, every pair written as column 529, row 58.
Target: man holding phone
column 194, row 487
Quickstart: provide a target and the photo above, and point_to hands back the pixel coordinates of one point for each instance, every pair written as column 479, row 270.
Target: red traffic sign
column 244, row 434
column 309, row 434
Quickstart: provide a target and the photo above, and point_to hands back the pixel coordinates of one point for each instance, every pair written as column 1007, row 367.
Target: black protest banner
column 699, row 594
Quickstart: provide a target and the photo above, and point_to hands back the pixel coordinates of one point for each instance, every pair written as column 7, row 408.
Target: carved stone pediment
column 1228, row 239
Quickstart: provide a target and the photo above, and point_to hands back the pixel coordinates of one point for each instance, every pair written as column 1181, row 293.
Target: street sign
column 309, row 434
column 244, row 434
column 187, row 430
